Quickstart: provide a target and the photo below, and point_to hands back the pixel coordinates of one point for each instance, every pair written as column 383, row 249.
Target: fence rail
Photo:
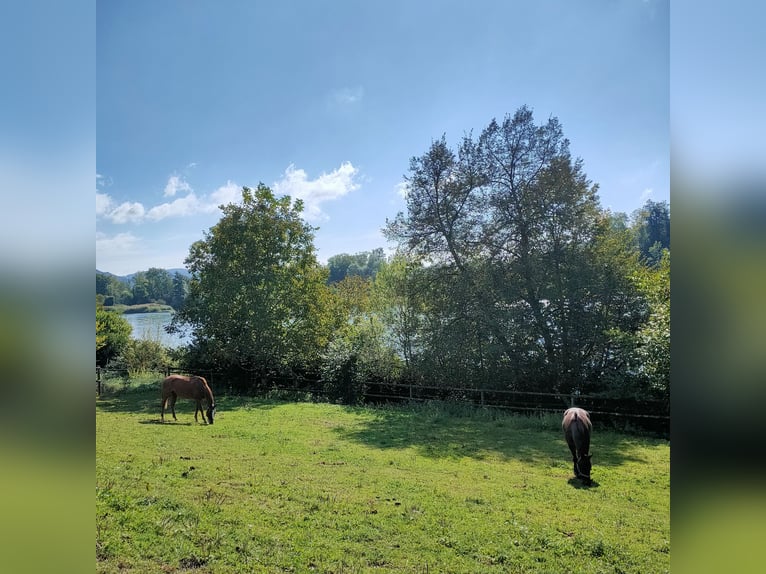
column 648, row 414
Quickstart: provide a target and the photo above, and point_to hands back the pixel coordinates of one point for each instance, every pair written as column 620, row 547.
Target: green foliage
column 275, row 487
column 180, row 289
column 112, row 335
column 258, row 297
column 526, row 278
column 398, row 301
column 365, row 264
column 652, row 228
column 654, row 335
column 340, row 373
column 153, row 286
column 359, row 351
column 144, row 308
column 110, row 286
column 143, row 356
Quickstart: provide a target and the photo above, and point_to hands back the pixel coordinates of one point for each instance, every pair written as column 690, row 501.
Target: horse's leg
column 196, row 409
column 162, row 410
column 173, row 398
column 573, row 450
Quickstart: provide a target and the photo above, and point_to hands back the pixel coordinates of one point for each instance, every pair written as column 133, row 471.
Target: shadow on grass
column 146, row 399
column 435, row 430
column 580, row 485
column 446, row 432
column 159, row 422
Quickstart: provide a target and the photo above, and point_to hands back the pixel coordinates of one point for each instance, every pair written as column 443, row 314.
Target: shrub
column 112, row 335
column 143, row 356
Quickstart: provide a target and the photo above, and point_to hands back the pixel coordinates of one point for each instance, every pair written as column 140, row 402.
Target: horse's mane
column 208, row 390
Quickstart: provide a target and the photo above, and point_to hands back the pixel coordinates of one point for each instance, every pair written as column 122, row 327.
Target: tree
column 395, row 297
column 102, row 284
column 338, row 266
column 179, row 290
column 514, row 234
column 363, row 264
column 257, row 298
column 112, row 335
column 358, row 351
column 140, row 289
column 159, row 285
column 654, row 336
column 110, row 286
column 652, row 228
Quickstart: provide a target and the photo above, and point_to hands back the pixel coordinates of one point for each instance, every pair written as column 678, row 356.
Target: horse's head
column 211, row 413
column 583, row 468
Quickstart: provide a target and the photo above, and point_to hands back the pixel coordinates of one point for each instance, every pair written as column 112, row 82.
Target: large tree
column 257, row 294
column 517, row 244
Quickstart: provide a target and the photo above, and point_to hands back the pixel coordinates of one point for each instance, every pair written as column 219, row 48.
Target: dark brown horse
column 195, row 388
column 577, row 427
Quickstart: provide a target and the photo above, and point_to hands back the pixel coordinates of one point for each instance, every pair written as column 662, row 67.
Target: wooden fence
column 645, row 414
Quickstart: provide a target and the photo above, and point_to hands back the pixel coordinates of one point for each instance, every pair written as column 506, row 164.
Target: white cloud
column 401, row 189
column 119, row 244
column 229, row 193
column 348, row 96
column 176, row 184
column 187, row 205
column 103, row 181
column 103, row 204
column 314, row 192
column 127, row 213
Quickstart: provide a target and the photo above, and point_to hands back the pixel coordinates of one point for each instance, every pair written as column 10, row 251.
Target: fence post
column 482, row 398
column 98, row 380
column 167, row 371
column 576, row 393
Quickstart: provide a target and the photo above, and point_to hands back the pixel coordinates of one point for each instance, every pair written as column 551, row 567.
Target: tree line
column 153, row 286
column 508, row 274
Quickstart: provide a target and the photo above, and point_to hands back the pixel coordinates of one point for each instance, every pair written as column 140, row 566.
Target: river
column 152, row 326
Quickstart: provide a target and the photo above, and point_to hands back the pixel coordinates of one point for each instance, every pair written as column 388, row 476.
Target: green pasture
column 276, row 486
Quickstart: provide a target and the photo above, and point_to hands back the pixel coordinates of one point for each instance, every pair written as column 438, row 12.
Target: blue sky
column 328, row 101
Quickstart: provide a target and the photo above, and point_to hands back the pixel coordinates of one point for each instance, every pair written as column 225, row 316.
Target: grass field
column 308, row 487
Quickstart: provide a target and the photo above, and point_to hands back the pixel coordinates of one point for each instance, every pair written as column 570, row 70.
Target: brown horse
column 195, row 388
column 577, row 427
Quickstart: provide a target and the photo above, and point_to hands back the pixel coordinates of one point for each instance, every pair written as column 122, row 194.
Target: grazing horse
column 195, row 388
column 577, row 427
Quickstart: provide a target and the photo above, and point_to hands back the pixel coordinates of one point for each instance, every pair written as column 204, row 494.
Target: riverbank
column 143, row 308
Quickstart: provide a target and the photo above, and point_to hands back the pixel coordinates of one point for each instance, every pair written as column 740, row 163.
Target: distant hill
column 129, row 278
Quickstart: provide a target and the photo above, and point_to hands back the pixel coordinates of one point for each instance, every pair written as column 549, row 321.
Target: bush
column 340, row 373
column 112, row 336
column 143, row 356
